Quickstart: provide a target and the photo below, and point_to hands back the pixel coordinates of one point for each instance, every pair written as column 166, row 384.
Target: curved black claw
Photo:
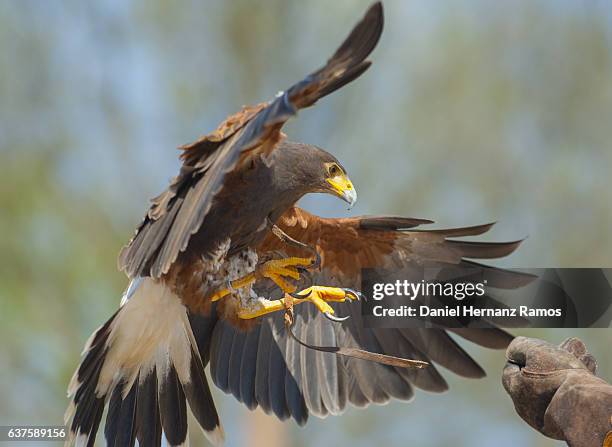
column 335, row 319
column 300, row 296
column 356, row 294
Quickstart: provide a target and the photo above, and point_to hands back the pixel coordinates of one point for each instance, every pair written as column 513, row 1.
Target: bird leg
column 276, row 270
column 317, row 295
column 292, row 267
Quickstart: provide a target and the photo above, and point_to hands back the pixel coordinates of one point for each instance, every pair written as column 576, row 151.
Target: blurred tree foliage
column 473, row 111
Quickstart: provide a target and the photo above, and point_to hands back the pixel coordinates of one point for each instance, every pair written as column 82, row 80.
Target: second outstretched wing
column 264, row 367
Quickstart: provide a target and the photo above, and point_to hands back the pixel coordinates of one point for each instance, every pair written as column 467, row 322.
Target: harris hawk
column 226, row 232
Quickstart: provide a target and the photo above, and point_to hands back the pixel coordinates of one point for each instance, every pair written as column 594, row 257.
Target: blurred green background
column 473, row 111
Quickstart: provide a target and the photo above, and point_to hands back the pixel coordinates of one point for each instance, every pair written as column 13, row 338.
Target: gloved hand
column 555, row 390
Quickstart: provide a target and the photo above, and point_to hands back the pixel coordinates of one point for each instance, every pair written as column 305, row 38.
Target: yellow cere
column 338, row 179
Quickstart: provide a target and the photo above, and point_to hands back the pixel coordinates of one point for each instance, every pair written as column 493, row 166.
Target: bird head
column 309, row 169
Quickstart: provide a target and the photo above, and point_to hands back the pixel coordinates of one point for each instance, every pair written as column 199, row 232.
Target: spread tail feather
column 145, row 364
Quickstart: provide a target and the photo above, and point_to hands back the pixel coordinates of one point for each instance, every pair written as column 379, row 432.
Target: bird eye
column 334, row 170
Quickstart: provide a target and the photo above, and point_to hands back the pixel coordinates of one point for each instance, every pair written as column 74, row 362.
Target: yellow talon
column 317, row 295
column 277, row 268
column 321, row 305
column 336, row 294
column 274, row 270
column 290, row 262
column 268, row 271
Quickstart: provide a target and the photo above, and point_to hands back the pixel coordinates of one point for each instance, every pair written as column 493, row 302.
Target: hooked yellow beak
column 343, row 188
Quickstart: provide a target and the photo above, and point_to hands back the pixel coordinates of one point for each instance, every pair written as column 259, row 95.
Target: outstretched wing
column 264, row 367
column 179, row 212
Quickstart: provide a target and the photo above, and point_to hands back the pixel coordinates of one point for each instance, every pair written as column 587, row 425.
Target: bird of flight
column 216, row 270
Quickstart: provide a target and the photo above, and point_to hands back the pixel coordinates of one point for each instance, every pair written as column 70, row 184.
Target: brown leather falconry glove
column 555, row 390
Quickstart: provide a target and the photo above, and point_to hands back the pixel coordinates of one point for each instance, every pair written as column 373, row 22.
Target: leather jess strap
column 355, row 353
